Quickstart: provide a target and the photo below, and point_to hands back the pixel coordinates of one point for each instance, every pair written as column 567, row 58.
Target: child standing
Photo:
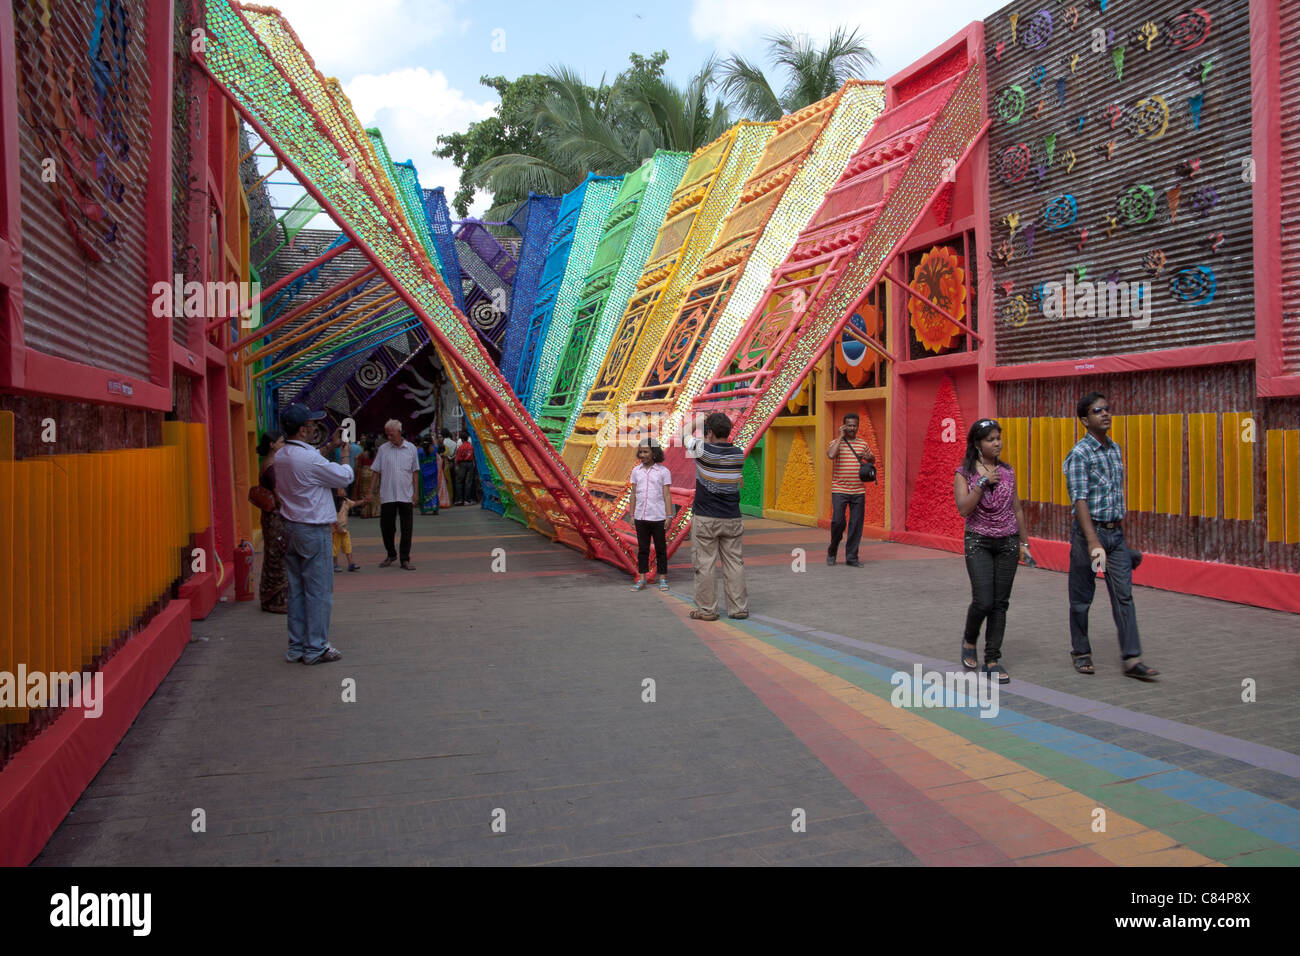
column 342, row 539
column 650, row 506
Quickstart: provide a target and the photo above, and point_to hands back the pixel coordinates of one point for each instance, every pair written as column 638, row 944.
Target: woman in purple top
column 985, row 489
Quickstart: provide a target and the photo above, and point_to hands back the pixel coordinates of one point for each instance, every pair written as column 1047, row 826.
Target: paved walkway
column 515, row 701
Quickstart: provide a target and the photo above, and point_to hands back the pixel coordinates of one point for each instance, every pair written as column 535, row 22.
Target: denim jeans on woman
column 991, row 564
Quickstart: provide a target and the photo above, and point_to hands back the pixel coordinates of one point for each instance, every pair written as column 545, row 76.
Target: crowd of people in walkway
column 308, row 489
column 984, row 489
column 308, row 493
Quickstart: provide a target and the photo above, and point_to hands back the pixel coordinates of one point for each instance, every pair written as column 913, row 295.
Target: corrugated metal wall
column 83, row 118
column 1289, row 22
column 1196, row 447
column 1116, row 153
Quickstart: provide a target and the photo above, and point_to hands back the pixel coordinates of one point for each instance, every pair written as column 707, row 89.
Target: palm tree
column 609, row 130
column 813, row 74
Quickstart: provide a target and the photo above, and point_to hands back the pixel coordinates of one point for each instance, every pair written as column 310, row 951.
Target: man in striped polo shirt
column 717, row 528
column 848, row 452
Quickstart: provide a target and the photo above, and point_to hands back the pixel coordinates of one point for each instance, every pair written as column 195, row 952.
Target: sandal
column 969, row 660
column 663, row 584
column 1083, row 664
column 739, row 617
column 640, row 585
column 995, row 669
column 700, row 615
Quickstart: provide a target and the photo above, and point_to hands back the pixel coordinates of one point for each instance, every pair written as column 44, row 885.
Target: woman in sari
column 273, row 587
column 428, row 479
column 364, row 477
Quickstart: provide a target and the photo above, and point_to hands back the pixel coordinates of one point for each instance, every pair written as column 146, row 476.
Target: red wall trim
column 12, row 367
column 1128, row 362
column 44, row 779
column 938, row 362
column 62, row 378
column 158, row 198
column 1266, row 150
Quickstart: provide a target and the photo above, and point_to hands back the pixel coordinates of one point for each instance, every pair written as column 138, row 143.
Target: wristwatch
column 983, row 480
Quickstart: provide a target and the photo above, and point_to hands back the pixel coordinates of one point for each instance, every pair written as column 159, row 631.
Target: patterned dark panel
column 1118, row 154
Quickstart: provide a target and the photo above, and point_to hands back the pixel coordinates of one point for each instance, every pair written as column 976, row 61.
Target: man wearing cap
column 303, row 481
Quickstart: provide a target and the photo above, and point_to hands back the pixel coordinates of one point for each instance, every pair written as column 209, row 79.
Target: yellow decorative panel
column 1291, row 470
column 1168, row 465
column 1238, row 466
column 1015, row 452
column 798, row 491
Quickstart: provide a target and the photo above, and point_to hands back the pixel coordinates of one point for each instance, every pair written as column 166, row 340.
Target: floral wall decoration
column 940, row 277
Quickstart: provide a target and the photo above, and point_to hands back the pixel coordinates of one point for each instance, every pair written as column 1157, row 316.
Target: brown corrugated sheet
column 1289, row 22
column 1117, row 106
column 73, row 307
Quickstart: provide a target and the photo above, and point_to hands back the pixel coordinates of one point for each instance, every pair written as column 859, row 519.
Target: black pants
column 464, row 481
column 388, row 513
column 856, row 505
column 645, row 531
column 1119, row 584
column 991, row 564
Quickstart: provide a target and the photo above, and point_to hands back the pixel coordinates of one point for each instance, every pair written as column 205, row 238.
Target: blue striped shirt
column 718, row 473
column 1095, row 472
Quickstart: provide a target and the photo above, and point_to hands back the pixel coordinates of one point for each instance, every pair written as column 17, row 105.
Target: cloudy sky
column 411, row 67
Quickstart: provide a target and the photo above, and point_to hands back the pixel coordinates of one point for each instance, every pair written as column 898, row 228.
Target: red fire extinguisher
column 244, row 572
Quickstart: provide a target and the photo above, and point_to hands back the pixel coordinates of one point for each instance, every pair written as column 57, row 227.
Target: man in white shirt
column 394, row 467
column 303, row 482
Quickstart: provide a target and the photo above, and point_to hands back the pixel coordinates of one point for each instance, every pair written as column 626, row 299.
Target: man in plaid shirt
column 1094, row 475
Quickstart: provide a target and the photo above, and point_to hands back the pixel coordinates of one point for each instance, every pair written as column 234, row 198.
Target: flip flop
column 969, row 656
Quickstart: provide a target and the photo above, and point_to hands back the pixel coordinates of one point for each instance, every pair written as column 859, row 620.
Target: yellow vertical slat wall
column 1282, row 454
column 1238, row 466
column 1015, row 452
column 88, row 543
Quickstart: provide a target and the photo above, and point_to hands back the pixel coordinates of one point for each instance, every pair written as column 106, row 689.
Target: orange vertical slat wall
column 88, row 544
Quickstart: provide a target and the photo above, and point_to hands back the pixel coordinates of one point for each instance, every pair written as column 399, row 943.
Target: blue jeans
column 309, row 566
column 1119, row 584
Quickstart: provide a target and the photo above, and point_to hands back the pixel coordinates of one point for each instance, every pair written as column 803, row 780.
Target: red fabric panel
column 40, row 785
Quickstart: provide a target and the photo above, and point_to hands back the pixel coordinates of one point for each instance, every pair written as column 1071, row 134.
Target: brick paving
column 518, row 695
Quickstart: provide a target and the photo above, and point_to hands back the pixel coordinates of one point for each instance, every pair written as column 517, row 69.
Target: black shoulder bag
column 866, row 469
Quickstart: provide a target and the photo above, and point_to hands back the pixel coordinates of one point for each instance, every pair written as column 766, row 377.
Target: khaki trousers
column 718, row 541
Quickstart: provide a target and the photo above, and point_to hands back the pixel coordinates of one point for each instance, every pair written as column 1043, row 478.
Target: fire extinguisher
column 244, row 572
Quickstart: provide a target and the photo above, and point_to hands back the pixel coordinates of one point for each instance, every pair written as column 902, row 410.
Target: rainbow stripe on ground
column 1017, row 789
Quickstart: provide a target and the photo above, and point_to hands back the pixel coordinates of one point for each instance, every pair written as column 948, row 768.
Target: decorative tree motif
column 940, row 277
column 931, row 509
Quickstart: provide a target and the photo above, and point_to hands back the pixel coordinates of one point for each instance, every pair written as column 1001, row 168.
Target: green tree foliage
column 551, row 130
column 811, row 73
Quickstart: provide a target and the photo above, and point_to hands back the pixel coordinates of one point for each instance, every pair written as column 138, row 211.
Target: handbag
column 866, row 469
column 263, row 497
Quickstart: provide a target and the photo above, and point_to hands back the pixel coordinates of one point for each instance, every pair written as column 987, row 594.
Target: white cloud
column 411, row 107
column 345, row 38
column 896, row 32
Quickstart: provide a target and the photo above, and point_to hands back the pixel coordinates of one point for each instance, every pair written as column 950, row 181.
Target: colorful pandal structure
column 256, row 58
column 535, row 222
column 800, row 163
column 708, row 191
column 488, row 269
column 670, row 292
column 886, row 188
column 577, row 232
column 621, row 254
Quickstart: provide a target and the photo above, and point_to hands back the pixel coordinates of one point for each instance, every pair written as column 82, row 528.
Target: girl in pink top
column 649, row 508
column 985, row 490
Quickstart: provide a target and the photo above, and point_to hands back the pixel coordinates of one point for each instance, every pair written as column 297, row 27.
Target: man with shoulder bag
column 854, row 465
